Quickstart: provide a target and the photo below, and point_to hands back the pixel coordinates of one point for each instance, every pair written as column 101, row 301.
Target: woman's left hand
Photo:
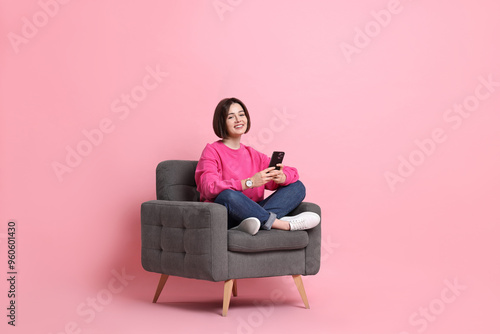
column 277, row 175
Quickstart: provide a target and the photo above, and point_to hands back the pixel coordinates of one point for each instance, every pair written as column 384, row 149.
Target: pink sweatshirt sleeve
column 208, row 176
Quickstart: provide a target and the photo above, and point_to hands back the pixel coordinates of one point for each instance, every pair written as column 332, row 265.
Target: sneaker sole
column 250, row 225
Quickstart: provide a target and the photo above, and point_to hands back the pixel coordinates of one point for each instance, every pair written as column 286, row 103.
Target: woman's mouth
column 239, row 126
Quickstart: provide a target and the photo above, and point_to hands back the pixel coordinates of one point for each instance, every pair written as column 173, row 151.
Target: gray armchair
column 183, row 237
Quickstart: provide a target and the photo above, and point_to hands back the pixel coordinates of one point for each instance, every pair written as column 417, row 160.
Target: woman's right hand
column 262, row 177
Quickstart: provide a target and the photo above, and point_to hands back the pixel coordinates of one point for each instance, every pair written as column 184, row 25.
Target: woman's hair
column 220, row 116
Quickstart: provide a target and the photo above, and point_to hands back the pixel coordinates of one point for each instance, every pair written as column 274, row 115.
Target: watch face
column 249, row 183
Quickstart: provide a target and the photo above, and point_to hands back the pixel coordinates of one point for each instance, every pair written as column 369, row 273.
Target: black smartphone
column 277, row 158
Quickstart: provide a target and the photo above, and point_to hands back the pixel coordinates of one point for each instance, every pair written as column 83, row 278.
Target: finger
column 267, row 170
column 266, row 175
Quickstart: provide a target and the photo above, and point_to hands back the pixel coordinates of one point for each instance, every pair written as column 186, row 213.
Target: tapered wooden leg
column 235, row 288
column 302, row 291
column 228, row 287
column 161, row 284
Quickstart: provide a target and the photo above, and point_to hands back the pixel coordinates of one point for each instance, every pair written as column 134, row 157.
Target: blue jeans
column 276, row 205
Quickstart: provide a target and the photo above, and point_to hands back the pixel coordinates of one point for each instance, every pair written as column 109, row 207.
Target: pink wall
column 389, row 109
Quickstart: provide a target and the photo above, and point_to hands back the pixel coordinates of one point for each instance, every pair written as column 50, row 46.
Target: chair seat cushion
column 265, row 241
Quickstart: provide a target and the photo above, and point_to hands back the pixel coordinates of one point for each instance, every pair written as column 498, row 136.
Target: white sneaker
column 303, row 221
column 250, row 225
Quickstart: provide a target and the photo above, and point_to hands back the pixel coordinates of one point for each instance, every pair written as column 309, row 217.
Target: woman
column 235, row 175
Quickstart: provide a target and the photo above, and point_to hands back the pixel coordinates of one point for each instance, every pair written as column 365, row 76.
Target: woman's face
column 236, row 121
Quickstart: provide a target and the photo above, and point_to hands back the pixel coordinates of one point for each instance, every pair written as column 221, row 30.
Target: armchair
column 183, row 237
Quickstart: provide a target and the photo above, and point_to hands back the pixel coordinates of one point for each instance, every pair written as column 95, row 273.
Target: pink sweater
column 221, row 168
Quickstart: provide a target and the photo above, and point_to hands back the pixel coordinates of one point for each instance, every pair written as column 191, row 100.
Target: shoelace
column 298, row 223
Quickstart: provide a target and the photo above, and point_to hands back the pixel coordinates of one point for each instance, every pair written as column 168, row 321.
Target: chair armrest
column 313, row 249
column 186, row 239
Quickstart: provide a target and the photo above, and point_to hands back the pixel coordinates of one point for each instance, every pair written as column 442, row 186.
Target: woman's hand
column 277, row 175
column 265, row 176
column 262, row 177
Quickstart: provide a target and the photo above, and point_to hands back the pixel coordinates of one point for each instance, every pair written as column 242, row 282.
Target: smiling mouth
column 238, row 126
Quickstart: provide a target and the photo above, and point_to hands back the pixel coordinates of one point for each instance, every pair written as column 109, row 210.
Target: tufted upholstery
column 183, row 237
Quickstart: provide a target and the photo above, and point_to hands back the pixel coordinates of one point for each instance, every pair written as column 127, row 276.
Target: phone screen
column 276, row 158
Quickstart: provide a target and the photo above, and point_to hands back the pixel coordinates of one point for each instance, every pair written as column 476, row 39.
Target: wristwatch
column 249, row 183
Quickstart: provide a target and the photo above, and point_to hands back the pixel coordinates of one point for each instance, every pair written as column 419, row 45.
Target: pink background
column 389, row 252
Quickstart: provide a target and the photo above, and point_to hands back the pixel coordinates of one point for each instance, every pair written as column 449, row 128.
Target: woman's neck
column 232, row 142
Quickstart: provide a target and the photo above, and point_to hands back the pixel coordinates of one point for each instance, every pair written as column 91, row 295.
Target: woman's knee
column 299, row 187
column 226, row 196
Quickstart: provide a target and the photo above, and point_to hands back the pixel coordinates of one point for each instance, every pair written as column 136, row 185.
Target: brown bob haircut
column 220, row 116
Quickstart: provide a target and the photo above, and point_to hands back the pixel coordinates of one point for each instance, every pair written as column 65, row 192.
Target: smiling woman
column 236, row 175
column 228, row 114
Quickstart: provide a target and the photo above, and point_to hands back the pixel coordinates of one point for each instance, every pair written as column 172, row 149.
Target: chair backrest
column 175, row 181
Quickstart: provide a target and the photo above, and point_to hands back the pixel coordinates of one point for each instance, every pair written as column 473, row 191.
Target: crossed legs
column 268, row 211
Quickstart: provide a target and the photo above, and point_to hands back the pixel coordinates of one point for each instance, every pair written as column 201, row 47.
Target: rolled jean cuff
column 267, row 225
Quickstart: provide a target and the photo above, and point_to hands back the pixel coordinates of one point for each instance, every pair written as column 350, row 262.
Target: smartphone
column 277, row 158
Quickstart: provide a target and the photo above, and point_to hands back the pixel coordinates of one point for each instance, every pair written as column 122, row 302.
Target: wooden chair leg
column 302, row 291
column 228, row 288
column 161, row 284
column 235, row 288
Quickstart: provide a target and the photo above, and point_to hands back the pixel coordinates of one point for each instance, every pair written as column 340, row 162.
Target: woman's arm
column 208, row 176
column 259, row 179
